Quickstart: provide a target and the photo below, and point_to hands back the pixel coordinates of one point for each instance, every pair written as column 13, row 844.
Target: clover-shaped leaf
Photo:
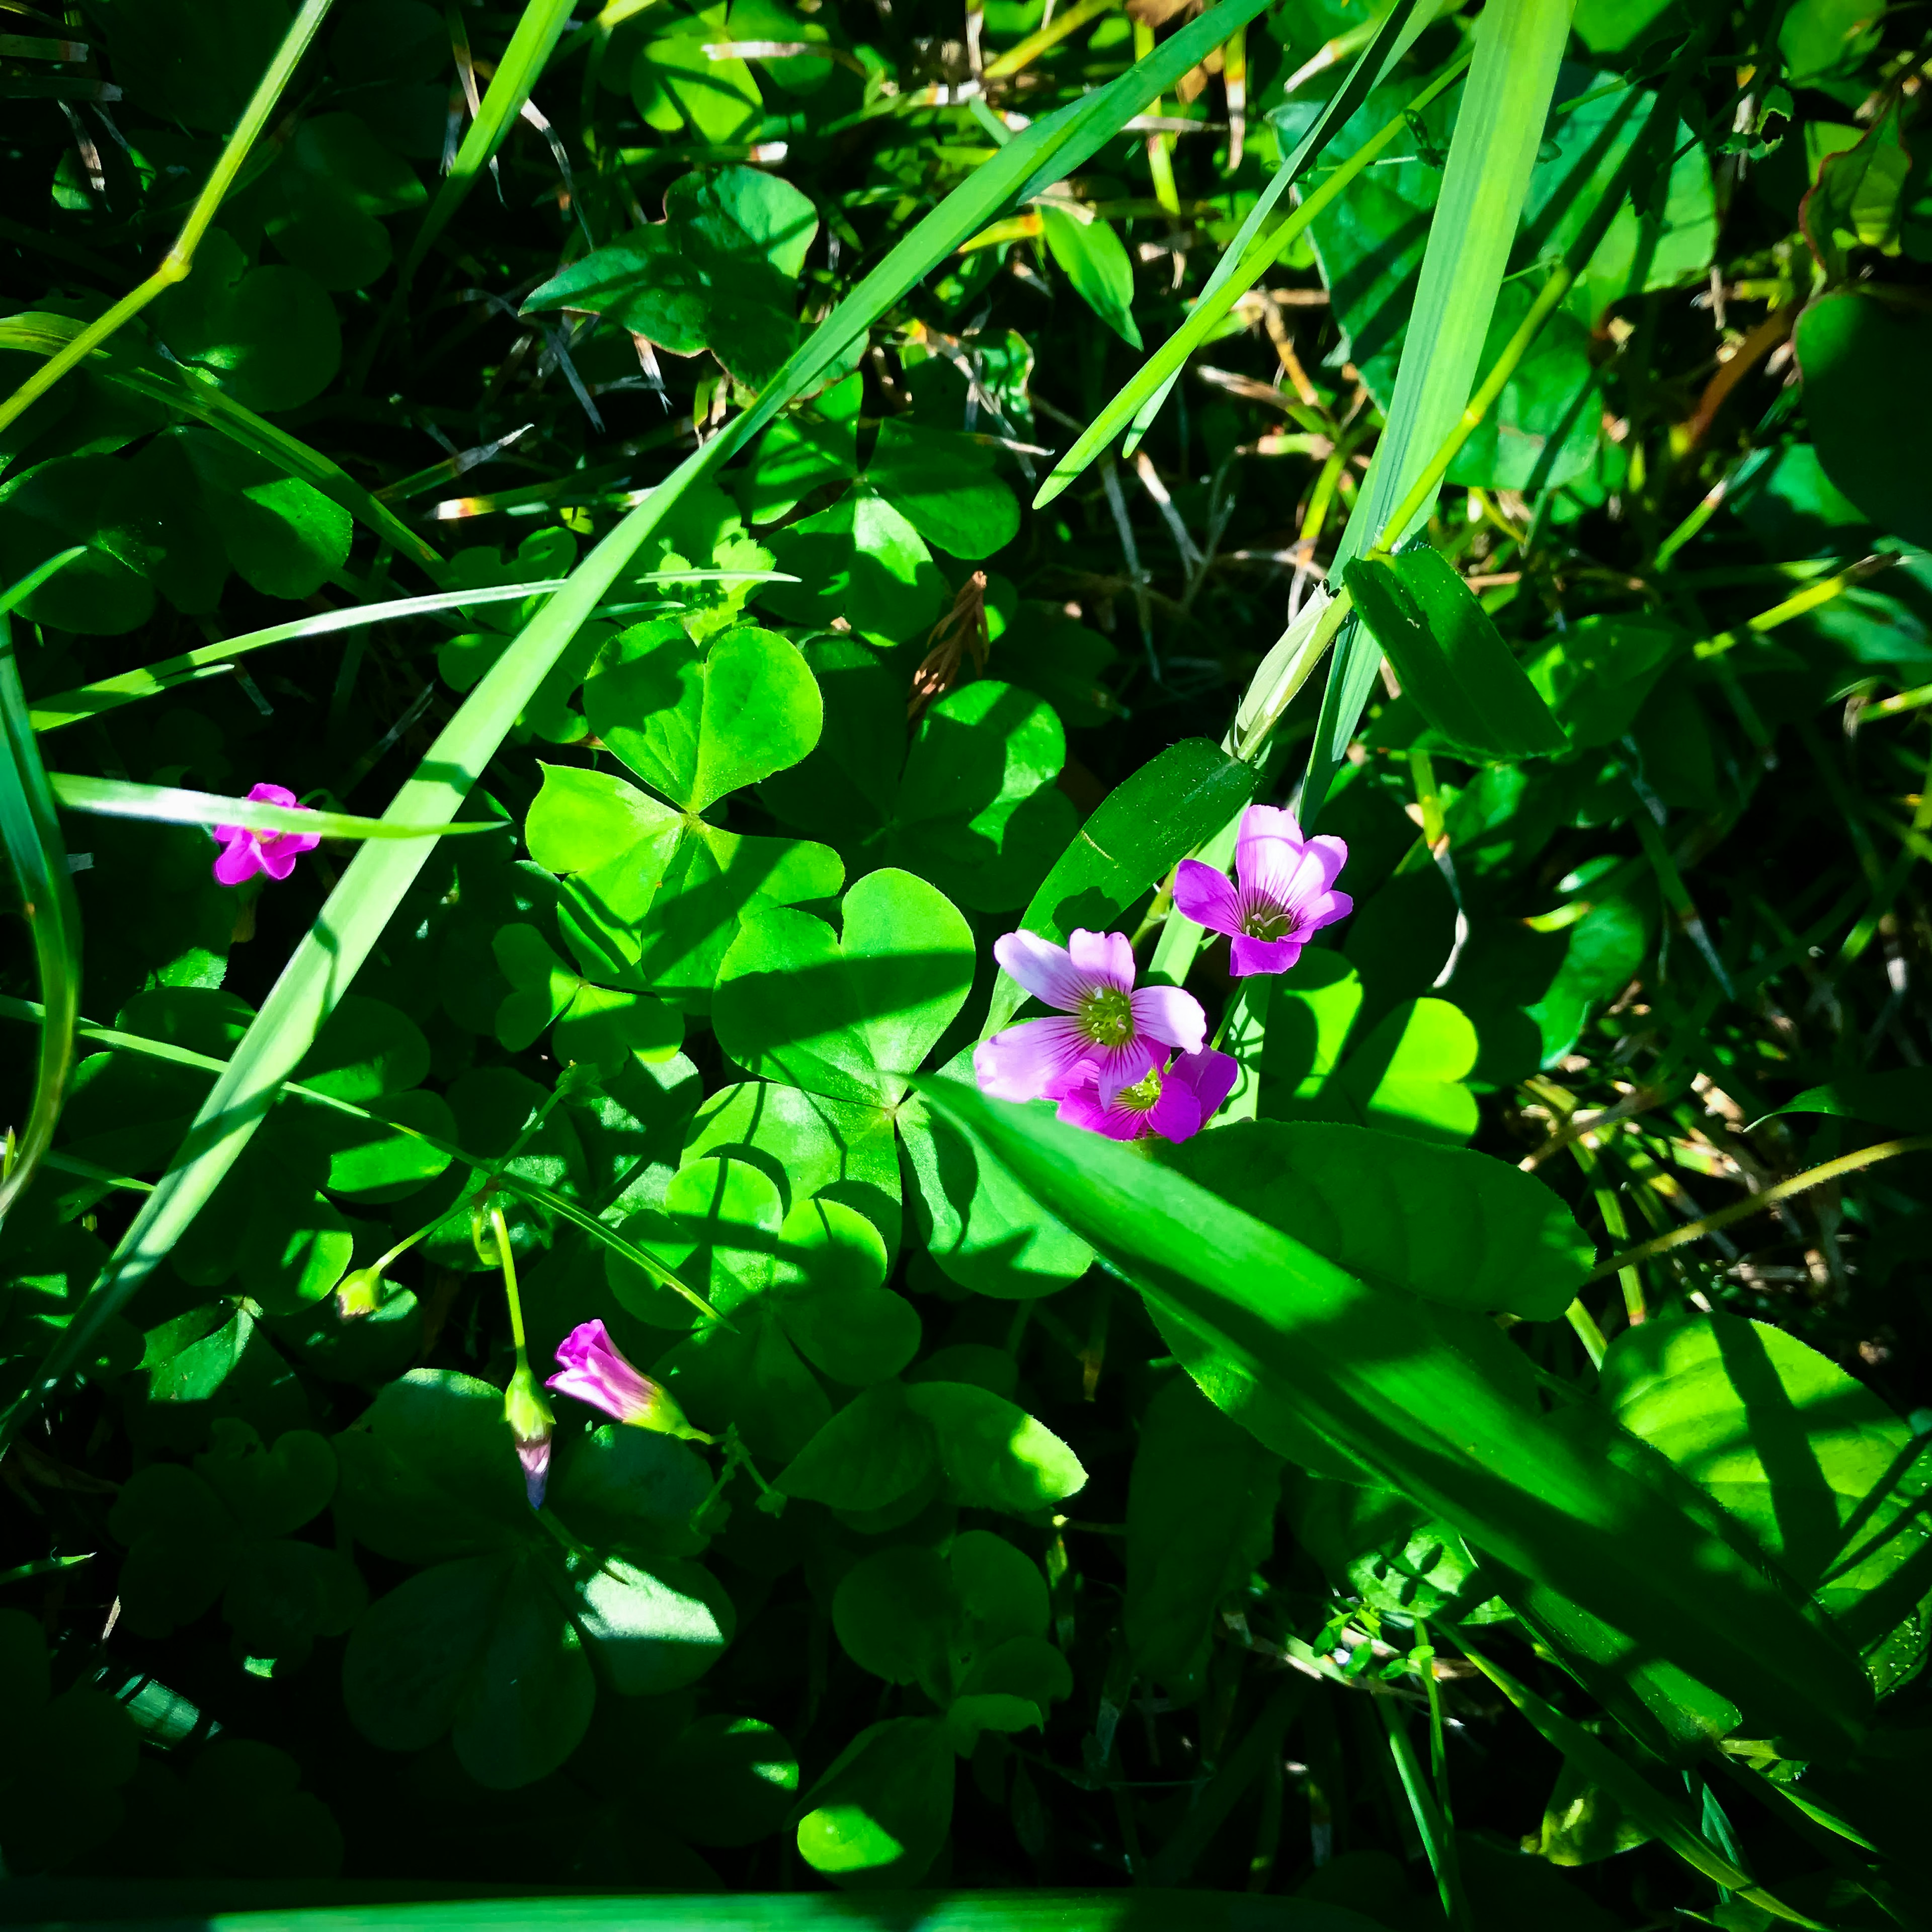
column 601, row 1026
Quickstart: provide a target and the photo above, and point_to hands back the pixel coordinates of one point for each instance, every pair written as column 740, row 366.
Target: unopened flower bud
column 592, row 1368
column 530, row 1420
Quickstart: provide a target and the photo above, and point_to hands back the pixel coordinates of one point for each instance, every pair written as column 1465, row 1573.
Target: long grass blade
column 129, row 687
column 323, row 966
column 1571, row 1502
column 1261, row 238
column 30, row 830
column 170, row 805
column 1499, row 130
column 34, row 332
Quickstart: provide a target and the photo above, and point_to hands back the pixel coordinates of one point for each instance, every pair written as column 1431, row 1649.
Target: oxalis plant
column 972, row 951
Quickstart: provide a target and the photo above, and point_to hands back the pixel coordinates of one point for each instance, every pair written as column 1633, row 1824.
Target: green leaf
column 1868, row 399
column 831, row 1297
column 1460, row 1228
column 875, row 1450
column 862, row 560
column 1596, row 676
column 942, row 483
column 726, row 1781
column 478, row 1648
column 850, row 1017
column 697, row 724
column 982, row 1228
column 1408, row 1075
column 1450, row 659
column 1901, row 1098
column 1200, row 1506
column 1547, row 425
column 1828, row 1478
column 994, row 1455
column 1143, row 827
column 1093, row 258
column 195, row 64
column 1585, row 1510
column 269, row 337
column 652, row 1631
column 321, row 204
column 1375, row 1543
column 880, row 1812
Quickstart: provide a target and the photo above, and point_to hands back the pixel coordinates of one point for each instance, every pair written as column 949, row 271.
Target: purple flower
column 1284, row 893
column 1175, row 1101
column 1108, row 1026
column 244, row 853
column 592, row 1368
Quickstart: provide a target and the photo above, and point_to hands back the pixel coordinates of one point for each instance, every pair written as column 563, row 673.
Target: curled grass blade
column 324, row 965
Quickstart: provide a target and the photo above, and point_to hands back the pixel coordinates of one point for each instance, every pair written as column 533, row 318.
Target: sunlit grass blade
column 1499, row 127
column 1567, row 1500
column 31, row 829
column 517, row 72
column 1260, row 240
column 129, row 687
column 175, row 264
column 169, row 805
column 35, row 332
column 324, row 965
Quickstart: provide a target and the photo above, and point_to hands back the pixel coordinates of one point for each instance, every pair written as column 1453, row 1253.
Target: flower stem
column 500, row 1229
column 1237, row 1000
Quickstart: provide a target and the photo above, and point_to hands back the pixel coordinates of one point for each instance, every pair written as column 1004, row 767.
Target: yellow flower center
column 1107, row 1017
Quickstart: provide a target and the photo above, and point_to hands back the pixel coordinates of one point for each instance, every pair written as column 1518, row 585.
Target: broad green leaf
column 1460, row 1228
column 831, row 1297
column 880, row 1812
column 652, row 1630
column 1584, row 1509
column 1143, row 827
column 1375, row 1543
column 851, row 1016
column 860, row 560
column 942, row 483
column 1828, row 1478
column 810, row 1146
column 994, row 1455
column 1201, row 1507
column 269, row 336
column 872, row 1452
column 1546, row 425
column 1596, row 676
column 1408, row 1073
column 1093, row 258
column 815, row 445
column 1450, row 658
column 679, row 89
column 321, row 205
column 1868, row 399
column 726, row 1781
column 697, row 724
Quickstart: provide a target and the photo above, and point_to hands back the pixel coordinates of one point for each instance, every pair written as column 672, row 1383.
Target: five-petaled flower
column 591, row 1367
column 1124, row 1035
column 1175, row 1101
column 1283, row 891
column 244, row 853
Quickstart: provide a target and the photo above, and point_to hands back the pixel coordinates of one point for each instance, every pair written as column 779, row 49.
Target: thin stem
column 1804, row 601
column 1587, row 1333
column 500, row 1229
column 1798, row 1183
column 1236, row 1001
column 176, row 263
column 1031, row 48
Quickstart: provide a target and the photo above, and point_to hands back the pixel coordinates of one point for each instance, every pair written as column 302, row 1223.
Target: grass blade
column 1259, row 240
column 1568, row 1500
column 324, row 965
column 169, row 805
column 31, row 829
column 130, row 687
column 1499, row 130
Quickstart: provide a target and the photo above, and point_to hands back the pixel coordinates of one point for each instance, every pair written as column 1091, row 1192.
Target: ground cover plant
column 973, row 950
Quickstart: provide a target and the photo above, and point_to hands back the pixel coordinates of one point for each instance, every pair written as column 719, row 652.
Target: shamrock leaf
column 602, row 1026
column 720, row 272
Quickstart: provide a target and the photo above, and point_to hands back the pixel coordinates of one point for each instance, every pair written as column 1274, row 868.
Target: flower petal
column 1104, row 958
column 1333, row 854
column 1027, row 1062
column 241, row 861
column 1323, row 910
column 1128, row 1064
column 1177, row 1115
column 1248, row 955
column 1267, row 867
column 1270, row 821
column 1044, row 969
column 1081, row 1108
column 1209, row 1075
column 1173, row 1017
column 1205, row 896
column 272, row 794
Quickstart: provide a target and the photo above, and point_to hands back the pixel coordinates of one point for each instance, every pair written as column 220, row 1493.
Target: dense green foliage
column 689, row 504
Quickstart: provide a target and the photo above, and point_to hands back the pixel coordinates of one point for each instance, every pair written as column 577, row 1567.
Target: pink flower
column 1283, row 894
column 244, row 853
column 1108, row 1025
column 592, row 1368
column 1175, row 1101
